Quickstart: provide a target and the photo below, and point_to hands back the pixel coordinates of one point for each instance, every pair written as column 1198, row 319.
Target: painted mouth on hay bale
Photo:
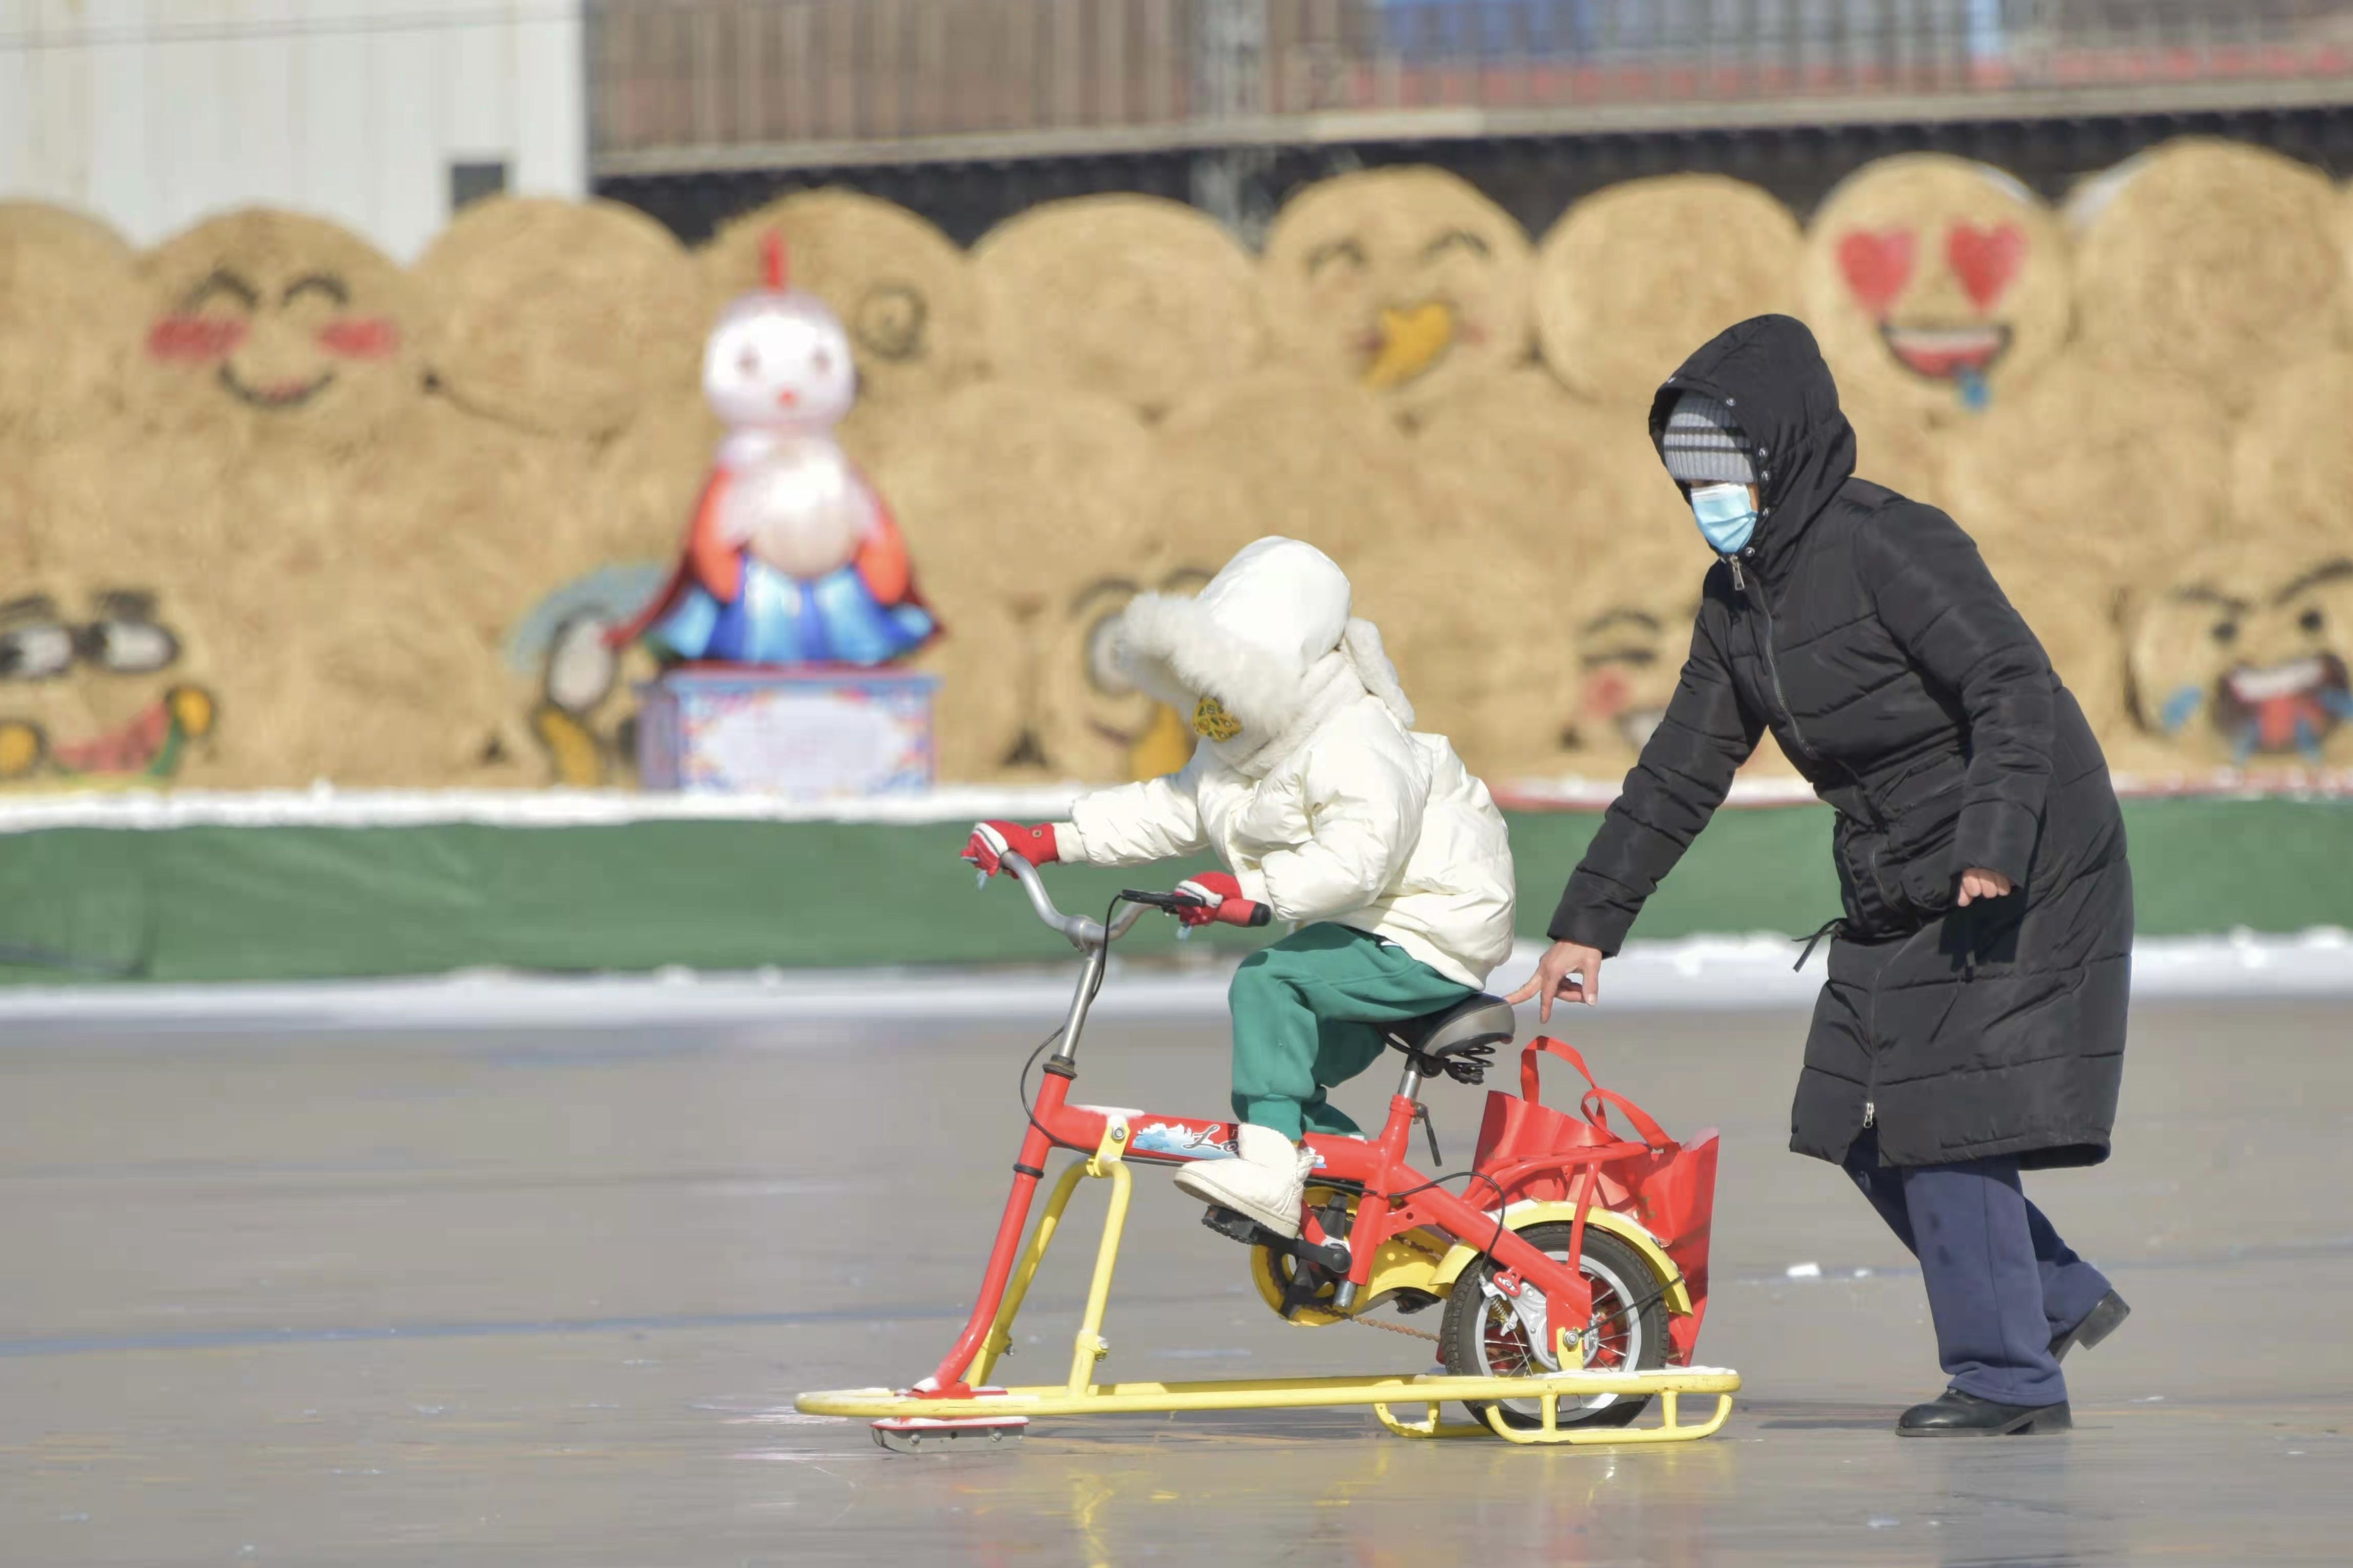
column 275, row 395
column 1946, row 352
column 2282, row 708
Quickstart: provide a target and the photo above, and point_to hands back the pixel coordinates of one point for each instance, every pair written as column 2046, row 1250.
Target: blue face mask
column 1725, row 516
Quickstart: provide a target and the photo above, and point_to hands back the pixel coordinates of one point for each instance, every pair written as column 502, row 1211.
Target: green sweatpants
column 1304, row 1011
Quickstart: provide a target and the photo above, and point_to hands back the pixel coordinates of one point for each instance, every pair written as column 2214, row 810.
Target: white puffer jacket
column 1327, row 804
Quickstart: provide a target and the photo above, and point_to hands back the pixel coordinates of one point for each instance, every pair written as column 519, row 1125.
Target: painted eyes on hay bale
column 1347, row 250
column 890, row 320
column 1878, row 264
column 198, row 331
column 2313, row 621
column 1454, row 239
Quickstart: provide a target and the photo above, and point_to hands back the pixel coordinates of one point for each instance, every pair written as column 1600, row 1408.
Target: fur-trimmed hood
column 1270, row 638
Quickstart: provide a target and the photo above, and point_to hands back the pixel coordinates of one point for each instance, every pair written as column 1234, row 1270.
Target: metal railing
column 687, row 83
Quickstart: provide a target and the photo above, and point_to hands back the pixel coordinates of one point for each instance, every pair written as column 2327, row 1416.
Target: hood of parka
column 1269, row 642
column 1770, row 373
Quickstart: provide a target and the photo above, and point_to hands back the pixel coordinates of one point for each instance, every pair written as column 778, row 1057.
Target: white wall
column 152, row 113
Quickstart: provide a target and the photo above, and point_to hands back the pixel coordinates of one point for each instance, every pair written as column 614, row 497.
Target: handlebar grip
column 1259, row 914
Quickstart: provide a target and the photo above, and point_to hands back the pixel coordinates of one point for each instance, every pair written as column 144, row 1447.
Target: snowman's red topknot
column 772, row 261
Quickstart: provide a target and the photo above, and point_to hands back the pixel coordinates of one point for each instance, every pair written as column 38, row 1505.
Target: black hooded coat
column 1865, row 632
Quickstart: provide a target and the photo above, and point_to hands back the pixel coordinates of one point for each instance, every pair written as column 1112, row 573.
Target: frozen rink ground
column 544, row 1295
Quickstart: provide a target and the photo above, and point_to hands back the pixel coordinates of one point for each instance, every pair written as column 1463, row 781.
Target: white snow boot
column 1267, row 1182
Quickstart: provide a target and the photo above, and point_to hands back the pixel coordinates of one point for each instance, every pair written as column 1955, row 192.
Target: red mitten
column 990, row 840
column 1221, row 900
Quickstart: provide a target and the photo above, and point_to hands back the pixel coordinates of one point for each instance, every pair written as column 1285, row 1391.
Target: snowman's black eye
column 2312, row 620
column 2226, row 632
column 821, row 362
column 748, row 363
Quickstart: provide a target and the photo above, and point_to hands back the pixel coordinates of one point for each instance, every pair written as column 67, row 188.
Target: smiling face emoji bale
column 277, row 325
column 1937, row 286
column 1405, row 280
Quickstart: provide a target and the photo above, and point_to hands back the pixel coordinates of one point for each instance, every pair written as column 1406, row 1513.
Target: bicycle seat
column 1456, row 1040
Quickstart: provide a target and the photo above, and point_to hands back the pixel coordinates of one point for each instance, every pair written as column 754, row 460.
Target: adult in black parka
column 1973, row 1023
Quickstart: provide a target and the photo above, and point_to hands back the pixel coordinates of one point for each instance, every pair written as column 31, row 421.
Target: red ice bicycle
column 1571, row 1269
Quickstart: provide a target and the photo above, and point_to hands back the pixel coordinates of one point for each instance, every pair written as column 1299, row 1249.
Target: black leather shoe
column 2107, row 1315
column 1953, row 1414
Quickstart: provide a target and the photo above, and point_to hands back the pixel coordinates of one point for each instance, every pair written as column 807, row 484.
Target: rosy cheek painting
column 194, row 339
column 360, row 337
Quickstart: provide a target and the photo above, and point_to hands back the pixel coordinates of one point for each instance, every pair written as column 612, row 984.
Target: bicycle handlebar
column 1078, row 930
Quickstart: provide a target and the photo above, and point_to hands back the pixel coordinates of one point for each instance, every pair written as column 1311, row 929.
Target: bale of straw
column 1894, row 446
column 901, row 286
column 1937, row 285
column 265, row 326
column 2291, row 462
column 1092, row 724
column 1138, row 299
column 1633, row 278
column 70, row 319
column 1562, row 476
column 2095, row 462
column 1406, row 281
column 2214, row 261
column 1283, row 451
column 1014, row 498
column 561, row 317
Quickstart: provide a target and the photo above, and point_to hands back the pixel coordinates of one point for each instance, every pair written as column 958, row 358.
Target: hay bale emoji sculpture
column 68, row 305
column 1406, row 281
column 1094, row 724
column 2239, row 654
column 274, row 326
column 2216, row 262
column 1017, row 495
column 561, row 317
column 93, row 691
column 791, row 557
column 1633, row 276
column 1938, row 287
column 1137, row 298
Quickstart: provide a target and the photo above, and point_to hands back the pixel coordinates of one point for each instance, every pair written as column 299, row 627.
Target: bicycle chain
column 1395, row 1328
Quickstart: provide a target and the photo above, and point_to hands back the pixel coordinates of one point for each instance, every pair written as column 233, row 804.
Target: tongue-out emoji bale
column 1937, row 286
column 900, row 286
column 2239, row 654
column 2214, row 261
column 1405, row 280
column 1632, row 276
column 562, row 318
column 269, row 326
column 1141, row 299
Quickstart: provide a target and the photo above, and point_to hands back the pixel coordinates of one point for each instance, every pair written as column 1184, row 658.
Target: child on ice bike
column 1312, row 786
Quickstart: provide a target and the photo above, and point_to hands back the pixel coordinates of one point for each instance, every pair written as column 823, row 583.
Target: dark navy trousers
column 2001, row 1285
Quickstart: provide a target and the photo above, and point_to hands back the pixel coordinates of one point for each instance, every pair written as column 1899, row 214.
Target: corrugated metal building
column 380, row 113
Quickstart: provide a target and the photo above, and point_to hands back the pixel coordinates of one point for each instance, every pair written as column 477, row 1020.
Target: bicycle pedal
column 1236, row 1227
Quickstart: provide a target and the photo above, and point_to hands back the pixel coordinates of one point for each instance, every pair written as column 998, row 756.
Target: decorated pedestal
column 809, row 734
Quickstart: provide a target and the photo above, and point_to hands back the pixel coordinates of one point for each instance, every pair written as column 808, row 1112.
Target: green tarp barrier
column 303, row 902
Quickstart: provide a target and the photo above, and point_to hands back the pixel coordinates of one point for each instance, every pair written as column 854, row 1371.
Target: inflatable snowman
column 791, row 558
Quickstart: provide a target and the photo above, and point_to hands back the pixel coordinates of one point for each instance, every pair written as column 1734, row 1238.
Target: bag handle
column 1596, row 1099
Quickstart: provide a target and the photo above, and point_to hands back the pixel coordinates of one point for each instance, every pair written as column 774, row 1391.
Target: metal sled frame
column 1082, row 1395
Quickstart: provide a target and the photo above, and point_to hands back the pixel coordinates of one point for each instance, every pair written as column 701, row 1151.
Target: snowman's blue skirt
column 778, row 619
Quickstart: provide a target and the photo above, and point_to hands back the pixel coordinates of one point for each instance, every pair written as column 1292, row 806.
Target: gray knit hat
column 1704, row 446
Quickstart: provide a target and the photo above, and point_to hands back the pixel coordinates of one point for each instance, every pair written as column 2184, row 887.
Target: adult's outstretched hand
column 1569, row 970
